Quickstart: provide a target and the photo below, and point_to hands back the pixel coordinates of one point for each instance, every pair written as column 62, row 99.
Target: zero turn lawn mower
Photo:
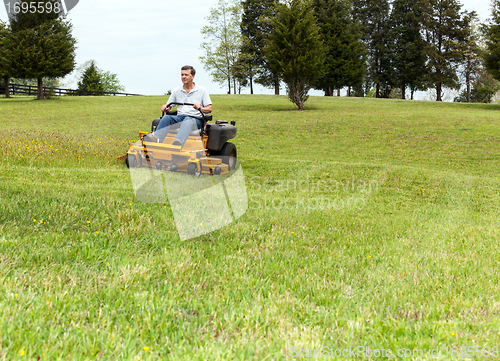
column 206, row 151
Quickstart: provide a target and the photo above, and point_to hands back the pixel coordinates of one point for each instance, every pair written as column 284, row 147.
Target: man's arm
column 206, row 109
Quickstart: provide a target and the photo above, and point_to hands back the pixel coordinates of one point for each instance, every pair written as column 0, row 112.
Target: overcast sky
column 146, row 42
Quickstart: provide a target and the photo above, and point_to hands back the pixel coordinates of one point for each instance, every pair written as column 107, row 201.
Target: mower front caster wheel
column 132, row 162
column 193, row 169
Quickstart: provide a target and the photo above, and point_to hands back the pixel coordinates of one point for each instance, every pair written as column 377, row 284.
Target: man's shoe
column 151, row 138
column 177, row 142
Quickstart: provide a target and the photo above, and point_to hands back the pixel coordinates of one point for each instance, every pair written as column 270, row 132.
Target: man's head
column 187, row 74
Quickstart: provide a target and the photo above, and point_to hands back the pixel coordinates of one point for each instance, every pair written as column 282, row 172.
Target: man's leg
column 164, row 125
column 187, row 125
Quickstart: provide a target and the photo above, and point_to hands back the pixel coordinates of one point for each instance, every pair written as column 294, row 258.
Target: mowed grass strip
column 370, row 223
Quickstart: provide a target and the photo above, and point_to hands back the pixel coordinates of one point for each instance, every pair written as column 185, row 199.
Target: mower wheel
column 217, row 170
column 192, row 168
column 228, row 154
column 131, row 161
column 159, row 165
column 174, row 167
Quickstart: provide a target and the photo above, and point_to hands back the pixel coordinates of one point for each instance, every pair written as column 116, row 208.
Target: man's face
column 186, row 77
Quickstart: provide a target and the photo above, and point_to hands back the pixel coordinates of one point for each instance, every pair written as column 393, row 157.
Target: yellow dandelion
column 369, row 256
column 16, row 295
column 453, row 333
column 293, row 232
column 359, row 319
column 146, row 348
column 130, row 204
column 34, row 220
column 22, row 352
column 88, row 221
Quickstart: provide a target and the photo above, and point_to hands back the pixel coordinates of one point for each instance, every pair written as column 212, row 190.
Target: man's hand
column 206, row 110
column 165, row 109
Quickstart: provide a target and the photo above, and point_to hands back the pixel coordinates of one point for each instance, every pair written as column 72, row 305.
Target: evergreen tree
column 492, row 32
column 344, row 53
column 407, row 46
column 373, row 15
column 255, row 29
column 91, row 79
column 40, row 45
column 4, row 56
column 471, row 52
column 295, row 50
column 444, row 28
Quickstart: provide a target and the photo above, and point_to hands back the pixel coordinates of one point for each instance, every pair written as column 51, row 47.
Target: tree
column 482, row 90
column 373, row 15
column 4, row 56
column 255, row 28
column 472, row 63
column 407, row 46
column 492, row 34
column 295, row 50
column 93, row 79
column 444, row 29
column 40, row 45
column 344, row 53
column 223, row 48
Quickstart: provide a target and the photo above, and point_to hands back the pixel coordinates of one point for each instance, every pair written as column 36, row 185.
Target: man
column 188, row 115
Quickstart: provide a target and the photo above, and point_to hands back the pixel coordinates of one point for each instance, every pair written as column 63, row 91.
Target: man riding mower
column 206, row 150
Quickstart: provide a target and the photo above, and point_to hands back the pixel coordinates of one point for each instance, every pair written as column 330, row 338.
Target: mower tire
column 228, row 154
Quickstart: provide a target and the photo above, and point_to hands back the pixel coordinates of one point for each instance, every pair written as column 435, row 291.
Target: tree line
column 39, row 47
column 383, row 48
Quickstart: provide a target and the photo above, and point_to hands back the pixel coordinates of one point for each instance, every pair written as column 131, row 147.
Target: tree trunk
column 6, row 82
column 349, row 91
column 338, row 92
column 438, row 92
column 403, row 92
column 467, row 79
column 251, row 85
column 276, row 87
column 327, row 92
column 40, row 89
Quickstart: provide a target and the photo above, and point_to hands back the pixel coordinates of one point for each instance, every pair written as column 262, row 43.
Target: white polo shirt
column 198, row 95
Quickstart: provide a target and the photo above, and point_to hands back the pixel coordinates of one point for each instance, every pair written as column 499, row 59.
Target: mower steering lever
column 169, row 104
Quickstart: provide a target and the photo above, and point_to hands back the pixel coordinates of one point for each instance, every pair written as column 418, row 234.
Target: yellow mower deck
column 165, row 156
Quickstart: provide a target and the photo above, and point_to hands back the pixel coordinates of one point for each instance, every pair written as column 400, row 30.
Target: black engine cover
column 218, row 134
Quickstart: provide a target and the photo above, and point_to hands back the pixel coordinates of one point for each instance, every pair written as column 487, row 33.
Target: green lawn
column 372, row 224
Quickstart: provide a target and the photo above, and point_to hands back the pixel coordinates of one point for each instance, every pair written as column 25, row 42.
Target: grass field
column 372, row 224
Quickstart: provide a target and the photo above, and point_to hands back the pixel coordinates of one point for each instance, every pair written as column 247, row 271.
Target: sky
column 147, row 42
